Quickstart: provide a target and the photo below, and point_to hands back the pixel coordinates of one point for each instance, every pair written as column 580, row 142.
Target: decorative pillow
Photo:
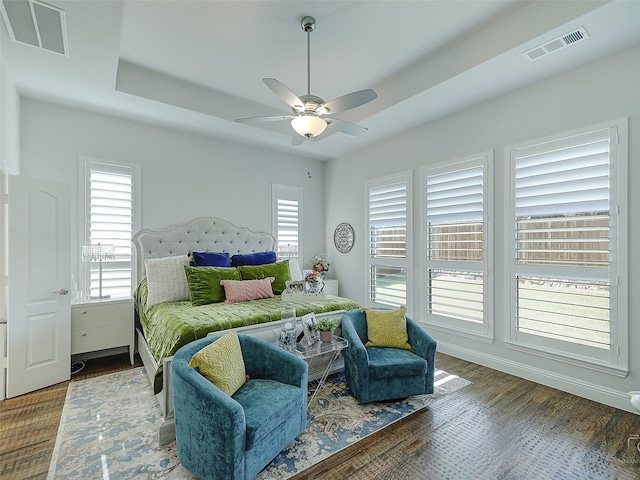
column 221, row 363
column 210, row 259
column 242, row 291
column 256, row 258
column 279, row 270
column 166, row 280
column 204, row 283
column 387, row 328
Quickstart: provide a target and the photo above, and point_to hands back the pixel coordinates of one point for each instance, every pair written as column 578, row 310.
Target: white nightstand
column 102, row 324
column 331, row 287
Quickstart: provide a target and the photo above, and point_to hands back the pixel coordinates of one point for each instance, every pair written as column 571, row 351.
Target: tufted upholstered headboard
column 200, row 235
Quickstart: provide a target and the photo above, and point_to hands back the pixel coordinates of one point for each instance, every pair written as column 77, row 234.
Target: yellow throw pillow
column 387, row 328
column 221, row 363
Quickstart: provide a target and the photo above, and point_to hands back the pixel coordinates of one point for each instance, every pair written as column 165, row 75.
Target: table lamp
column 98, row 253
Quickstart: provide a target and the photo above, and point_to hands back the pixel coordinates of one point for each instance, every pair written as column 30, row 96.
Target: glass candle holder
column 288, row 328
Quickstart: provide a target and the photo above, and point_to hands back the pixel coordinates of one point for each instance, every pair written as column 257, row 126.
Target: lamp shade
column 308, row 125
column 96, row 253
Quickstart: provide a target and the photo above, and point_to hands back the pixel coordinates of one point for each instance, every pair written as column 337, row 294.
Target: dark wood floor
column 29, row 423
column 500, row 427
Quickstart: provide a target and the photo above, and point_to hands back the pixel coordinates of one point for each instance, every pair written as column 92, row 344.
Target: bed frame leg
column 167, row 431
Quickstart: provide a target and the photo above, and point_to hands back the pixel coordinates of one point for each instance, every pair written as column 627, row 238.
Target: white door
column 39, row 268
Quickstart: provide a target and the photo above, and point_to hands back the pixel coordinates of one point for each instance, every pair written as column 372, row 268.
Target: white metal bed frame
column 205, row 234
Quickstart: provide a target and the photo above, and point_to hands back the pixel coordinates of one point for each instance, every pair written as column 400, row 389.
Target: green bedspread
column 169, row 326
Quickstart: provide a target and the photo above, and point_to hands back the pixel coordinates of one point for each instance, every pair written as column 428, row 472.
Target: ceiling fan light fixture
column 308, row 125
column 308, row 110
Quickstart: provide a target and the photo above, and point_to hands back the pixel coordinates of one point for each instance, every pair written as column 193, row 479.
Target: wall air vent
column 556, row 44
column 37, row 24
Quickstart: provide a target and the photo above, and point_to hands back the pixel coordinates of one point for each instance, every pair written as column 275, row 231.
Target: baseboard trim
column 590, row 391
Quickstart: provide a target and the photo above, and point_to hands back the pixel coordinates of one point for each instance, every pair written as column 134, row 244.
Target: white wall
column 9, row 124
column 605, row 90
column 184, row 176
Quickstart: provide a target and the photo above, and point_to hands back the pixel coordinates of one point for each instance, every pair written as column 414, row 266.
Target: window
column 568, row 250
column 287, row 220
column 110, row 217
column 389, row 228
column 457, row 243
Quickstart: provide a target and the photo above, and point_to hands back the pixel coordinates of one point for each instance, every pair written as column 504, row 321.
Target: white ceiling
column 198, row 65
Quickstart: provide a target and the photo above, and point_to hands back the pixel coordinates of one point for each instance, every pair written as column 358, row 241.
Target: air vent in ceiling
column 36, row 23
column 556, row 44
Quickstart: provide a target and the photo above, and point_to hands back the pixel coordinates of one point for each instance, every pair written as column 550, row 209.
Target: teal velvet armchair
column 235, row 437
column 377, row 373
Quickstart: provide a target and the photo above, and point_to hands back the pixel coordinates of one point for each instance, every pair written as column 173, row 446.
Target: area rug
column 109, row 427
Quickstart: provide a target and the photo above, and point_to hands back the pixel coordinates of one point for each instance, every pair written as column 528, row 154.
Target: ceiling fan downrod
column 310, row 102
column 308, row 25
column 308, row 111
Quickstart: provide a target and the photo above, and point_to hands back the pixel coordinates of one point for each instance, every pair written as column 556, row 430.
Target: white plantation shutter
column 110, row 221
column 287, row 226
column 455, row 195
column 562, row 202
column 455, row 213
column 563, row 229
column 571, row 176
column 388, row 221
column 455, row 210
column 388, row 205
column 287, row 220
column 388, row 229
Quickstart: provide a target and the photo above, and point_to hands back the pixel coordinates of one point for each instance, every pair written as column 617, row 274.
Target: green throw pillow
column 204, row 283
column 221, row 363
column 387, row 328
column 278, row 270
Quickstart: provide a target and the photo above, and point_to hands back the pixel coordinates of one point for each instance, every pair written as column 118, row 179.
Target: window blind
column 455, row 210
column 562, row 240
column 287, row 227
column 569, row 177
column 388, row 285
column 286, row 215
column 456, row 294
column 455, row 196
column 562, row 202
column 566, row 310
column 111, row 223
column 388, row 221
column 388, row 230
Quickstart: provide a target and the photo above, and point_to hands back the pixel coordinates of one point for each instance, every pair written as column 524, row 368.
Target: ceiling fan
column 308, row 118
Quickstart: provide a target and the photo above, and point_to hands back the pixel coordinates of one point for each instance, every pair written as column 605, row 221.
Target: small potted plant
column 326, row 327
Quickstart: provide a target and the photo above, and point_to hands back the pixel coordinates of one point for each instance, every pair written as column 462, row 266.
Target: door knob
column 62, row 291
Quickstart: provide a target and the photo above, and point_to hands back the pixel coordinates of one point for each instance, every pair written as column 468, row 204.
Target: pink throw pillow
column 243, row 290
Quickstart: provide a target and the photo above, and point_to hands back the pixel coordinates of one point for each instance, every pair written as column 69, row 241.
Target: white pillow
column 294, row 270
column 167, row 280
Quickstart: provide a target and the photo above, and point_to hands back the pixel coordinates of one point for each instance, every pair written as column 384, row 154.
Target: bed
column 164, row 327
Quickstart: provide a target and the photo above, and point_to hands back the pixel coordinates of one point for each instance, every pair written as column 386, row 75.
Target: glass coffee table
column 308, row 352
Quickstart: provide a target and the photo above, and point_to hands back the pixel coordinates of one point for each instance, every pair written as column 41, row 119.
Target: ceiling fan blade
column 348, row 101
column 268, row 118
column 297, row 140
column 346, row 127
column 283, row 92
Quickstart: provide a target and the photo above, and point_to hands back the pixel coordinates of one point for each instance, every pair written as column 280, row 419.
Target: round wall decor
column 343, row 237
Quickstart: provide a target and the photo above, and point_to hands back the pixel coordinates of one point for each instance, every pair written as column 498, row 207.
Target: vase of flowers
column 314, row 282
column 320, row 264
